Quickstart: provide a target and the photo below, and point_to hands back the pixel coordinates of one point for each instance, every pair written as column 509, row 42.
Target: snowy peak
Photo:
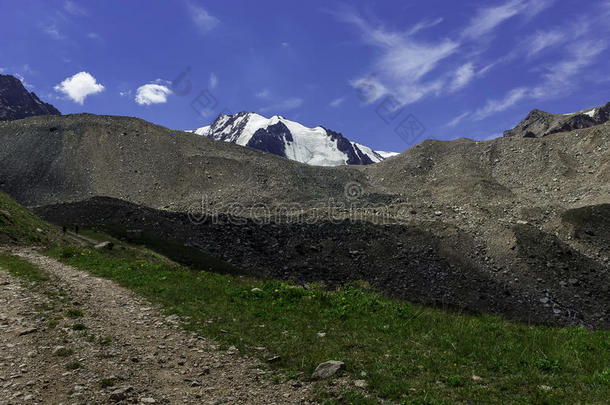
column 315, row 146
column 539, row 123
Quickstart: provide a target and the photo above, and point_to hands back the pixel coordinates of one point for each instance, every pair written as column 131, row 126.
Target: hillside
column 493, row 214
column 19, row 225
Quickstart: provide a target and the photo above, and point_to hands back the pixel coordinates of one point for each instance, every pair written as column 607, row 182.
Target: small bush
column 75, row 365
column 74, row 313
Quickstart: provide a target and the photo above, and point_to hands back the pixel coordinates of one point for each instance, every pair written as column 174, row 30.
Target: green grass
column 74, row 365
column 74, row 313
column 107, row 382
column 410, row 354
column 22, row 268
column 20, row 225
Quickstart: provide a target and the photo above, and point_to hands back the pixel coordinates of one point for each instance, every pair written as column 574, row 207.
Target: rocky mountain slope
column 315, row 146
column 512, row 225
column 539, row 123
column 16, row 102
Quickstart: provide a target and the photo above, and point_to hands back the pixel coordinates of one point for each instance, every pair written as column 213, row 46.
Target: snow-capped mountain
column 315, row 146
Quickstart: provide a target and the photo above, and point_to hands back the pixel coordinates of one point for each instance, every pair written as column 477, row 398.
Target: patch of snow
column 202, row 131
column 386, row 154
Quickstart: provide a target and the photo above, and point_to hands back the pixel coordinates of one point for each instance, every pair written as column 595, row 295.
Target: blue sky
column 462, row 69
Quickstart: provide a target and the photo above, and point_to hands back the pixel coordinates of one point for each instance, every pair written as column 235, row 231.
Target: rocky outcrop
column 17, row 103
column 539, row 123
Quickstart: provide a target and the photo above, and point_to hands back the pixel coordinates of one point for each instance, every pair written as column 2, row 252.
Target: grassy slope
column 21, row 268
column 20, row 225
column 406, row 353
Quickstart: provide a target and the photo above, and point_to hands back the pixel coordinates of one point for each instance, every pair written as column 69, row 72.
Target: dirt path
column 128, row 353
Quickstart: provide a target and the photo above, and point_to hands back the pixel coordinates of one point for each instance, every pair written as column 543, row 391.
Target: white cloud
column 559, row 80
column 79, row 87
column 403, row 64
column 564, row 75
column 25, row 84
column 494, row 106
column 462, row 76
column 264, row 94
column 125, row 93
column 74, row 9
column 337, row 102
column 453, row 123
column 369, row 89
column 52, row 31
column 542, row 40
column 213, row 81
column 202, row 18
column 424, row 25
column 152, row 93
column 284, row 105
column 94, row 35
column 488, row 18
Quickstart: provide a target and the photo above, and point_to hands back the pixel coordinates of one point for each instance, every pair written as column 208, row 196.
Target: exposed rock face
column 540, row 123
column 315, row 146
column 17, row 103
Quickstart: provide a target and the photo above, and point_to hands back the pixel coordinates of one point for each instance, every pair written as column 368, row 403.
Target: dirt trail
column 128, row 353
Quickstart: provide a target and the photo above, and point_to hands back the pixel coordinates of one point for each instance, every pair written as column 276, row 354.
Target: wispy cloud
column 337, row 102
column 424, row 25
column 463, row 75
column 52, row 31
column 213, row 82
column 94, row 35
column 283, row 105
column 542, row 40
column 75, row 9
column 563, row 75
column 79, row 86
column 24, row 82
column 263, row 94
column 202, row 18
column 454, row 122
column 488, row 18
column 404, row 61
column 495, row 106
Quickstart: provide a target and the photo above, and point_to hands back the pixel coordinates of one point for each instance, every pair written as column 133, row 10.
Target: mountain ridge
column 316, row 146
column 17, row 103
column 540, row 123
